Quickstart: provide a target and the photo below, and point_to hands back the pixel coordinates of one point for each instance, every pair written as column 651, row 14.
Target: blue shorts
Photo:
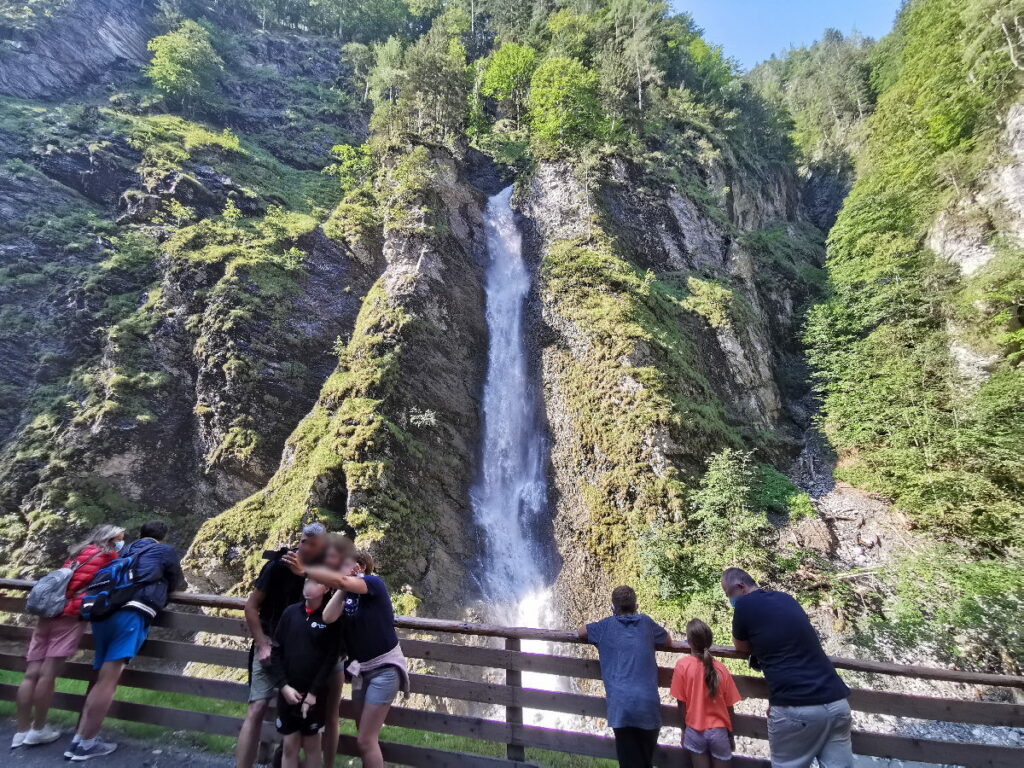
column 713, row 740
column 379, row 687
column 118, row 638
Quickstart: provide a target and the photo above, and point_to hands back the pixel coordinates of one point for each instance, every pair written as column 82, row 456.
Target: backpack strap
column 89, row 559
column 82, row 590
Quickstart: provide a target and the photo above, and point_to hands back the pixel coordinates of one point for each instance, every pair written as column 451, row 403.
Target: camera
column 276, row 554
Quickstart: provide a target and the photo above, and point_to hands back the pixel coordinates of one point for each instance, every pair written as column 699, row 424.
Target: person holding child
column 706, row 694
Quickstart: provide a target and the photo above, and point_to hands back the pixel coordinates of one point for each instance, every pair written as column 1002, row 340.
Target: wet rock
column 97, row 172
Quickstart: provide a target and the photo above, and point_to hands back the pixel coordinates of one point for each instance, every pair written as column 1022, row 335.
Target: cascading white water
column 510, row 498
column 511, row 494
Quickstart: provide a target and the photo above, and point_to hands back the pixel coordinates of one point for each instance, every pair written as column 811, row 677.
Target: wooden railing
column 510, row 694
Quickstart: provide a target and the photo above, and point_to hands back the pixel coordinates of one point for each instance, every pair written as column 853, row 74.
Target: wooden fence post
column 514, row 750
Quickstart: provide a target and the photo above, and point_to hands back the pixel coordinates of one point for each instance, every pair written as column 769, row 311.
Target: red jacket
column 84, row 574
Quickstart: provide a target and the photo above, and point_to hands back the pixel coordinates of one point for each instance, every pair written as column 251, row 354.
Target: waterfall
column 509, row 500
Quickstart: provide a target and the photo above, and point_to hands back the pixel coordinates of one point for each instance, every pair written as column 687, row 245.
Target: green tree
column 388, row 74
column 826, row 91
column 184, row 64
column 359, row 58
column 507, row 77
column 352, row 165
column 636, row 25
column 564, row 109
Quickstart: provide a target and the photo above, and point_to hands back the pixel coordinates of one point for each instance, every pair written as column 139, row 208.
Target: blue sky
column 752, row 30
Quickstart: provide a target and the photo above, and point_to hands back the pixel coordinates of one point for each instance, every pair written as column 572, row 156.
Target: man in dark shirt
column 119, row 637
column 304, row 657
column 275, row 589
column 808, row 711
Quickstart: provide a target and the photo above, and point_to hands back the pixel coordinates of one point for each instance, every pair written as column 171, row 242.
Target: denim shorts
column 379, row 687
column 713, row 740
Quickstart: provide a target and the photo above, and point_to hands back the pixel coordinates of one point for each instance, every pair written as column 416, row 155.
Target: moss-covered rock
column 363, row 458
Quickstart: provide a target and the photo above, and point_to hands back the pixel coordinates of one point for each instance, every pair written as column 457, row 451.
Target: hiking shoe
column 18, row 740
column 45, row 735
column 71, row 749
column 98, row 749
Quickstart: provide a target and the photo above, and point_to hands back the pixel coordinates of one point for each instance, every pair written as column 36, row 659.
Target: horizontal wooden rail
column 226, row 725
column 418, row 624
column 515, row 697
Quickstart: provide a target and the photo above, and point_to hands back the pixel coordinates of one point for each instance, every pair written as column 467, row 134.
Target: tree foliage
column 184, row 65
column 565, row 111
column 826, row 90
column 507, row 76
column 895, row 402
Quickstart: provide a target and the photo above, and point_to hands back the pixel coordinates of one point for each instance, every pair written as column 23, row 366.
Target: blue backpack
column 110, row 589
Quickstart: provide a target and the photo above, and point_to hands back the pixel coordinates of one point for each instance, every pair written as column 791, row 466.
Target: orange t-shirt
column 703, row 712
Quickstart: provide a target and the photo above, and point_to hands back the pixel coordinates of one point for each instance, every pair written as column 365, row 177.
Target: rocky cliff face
column 389, row 449
column 668, row 327
column 84, row 46
column 170, row 306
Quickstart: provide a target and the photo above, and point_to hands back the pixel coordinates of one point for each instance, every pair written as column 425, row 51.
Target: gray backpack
column 49, row 596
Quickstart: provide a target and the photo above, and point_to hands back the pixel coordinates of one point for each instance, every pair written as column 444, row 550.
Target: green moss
column 638, row 382
column 340, row 441
column 712, row 301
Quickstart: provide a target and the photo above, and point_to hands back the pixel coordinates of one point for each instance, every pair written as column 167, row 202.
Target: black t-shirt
column 781, row 637
column 306, row 649
column 369, row 621
column 280, row 588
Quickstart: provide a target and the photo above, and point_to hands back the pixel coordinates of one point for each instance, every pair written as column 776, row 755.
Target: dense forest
column 240, row 270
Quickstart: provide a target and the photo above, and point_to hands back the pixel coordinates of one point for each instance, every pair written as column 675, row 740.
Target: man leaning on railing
column 808, row 712
column 625, row 644
column 121, row 609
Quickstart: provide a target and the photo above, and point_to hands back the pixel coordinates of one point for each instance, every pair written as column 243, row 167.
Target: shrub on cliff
column 184, row 64
column 564, row 107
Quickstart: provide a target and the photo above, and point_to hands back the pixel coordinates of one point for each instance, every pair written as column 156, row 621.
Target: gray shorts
column 712, row 740
column 379, row 687
column 798, row 735
column 262, row 683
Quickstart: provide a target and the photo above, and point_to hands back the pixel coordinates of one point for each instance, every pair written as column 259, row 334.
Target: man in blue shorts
column 118, row 638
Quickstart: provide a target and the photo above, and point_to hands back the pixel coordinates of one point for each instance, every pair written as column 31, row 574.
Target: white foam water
column 510, row 498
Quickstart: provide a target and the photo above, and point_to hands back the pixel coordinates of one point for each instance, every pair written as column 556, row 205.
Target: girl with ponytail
column 706, row 694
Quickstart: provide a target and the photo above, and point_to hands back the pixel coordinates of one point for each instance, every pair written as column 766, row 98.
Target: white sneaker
column 45, row 735
column 18, row 740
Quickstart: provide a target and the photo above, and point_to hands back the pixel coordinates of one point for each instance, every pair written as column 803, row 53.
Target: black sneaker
column 98, row 749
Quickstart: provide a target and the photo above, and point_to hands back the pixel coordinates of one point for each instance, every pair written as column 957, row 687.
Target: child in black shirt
column 305, row 653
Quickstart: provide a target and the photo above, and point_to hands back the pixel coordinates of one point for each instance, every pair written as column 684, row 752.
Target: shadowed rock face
column 87, row 43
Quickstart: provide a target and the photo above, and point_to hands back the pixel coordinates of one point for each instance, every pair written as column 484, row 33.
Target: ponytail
column 698, row 635
column 710, row 675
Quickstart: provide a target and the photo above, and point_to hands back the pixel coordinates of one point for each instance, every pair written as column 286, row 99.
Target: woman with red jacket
column 56, row 639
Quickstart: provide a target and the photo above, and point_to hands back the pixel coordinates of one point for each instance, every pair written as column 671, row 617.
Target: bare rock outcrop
column 86, row 43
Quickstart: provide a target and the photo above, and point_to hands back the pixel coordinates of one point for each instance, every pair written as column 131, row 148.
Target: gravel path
column 130, row 754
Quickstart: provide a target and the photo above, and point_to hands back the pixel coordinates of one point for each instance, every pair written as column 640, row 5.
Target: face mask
column 732, row 601
column 119, row 545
